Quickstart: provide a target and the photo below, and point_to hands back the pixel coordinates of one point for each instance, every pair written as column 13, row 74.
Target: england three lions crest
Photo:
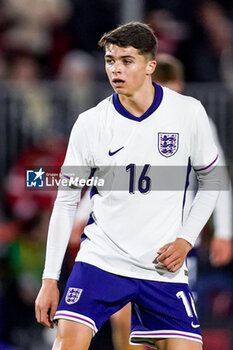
column 73, row 295
column 168, row 143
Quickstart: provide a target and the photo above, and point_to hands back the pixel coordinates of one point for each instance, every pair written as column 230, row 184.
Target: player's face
column 127, row 70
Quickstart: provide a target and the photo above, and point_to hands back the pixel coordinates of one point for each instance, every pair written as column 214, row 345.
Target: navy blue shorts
column 159, row 309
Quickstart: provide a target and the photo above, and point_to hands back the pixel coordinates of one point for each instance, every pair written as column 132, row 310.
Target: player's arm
column 60, row 228
column 172, row 255
column 221, row 243
column 220, row 251
column 47, row 302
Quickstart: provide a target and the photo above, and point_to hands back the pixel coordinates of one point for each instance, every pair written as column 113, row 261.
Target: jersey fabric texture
column 158, row 310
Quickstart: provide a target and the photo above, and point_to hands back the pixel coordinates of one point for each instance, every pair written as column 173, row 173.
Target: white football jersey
column 145, row 163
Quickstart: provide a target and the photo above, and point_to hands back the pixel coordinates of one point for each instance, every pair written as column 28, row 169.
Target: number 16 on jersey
column 144, row 181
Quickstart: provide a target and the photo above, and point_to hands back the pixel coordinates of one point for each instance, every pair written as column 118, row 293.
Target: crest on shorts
column 73, row 295
column 168, row 143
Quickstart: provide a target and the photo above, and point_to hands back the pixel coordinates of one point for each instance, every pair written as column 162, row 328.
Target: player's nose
column 116, row 67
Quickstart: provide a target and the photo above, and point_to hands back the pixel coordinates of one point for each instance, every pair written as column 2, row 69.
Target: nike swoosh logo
column 195, row 325
column 112, row 153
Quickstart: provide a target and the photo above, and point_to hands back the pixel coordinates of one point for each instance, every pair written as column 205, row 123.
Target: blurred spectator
column 77, row 74
column 218, row 40
column 181, row 9
column 208, row 53
column 217, row 26
column 75, row 88
column 169, row 31
column 24, row 69
column 200, row 33
column 24, row 72
column 29, row 27
column 77, row 67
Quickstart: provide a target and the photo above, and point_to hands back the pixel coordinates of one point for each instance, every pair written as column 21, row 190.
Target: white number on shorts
column 181, row 295
column 193, row 304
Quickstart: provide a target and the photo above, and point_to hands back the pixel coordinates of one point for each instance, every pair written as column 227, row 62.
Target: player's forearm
column 202, row 207
column 49, row 282
column 60, row 228
column 222, row 216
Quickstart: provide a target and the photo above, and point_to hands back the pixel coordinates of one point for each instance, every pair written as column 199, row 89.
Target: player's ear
column 151, row 67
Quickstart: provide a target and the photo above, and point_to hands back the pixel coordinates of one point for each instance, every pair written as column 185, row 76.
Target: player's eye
column 109, row 60
column 127, row 62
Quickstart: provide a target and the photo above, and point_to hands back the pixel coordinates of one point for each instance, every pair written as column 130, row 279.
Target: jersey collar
column 155, row 104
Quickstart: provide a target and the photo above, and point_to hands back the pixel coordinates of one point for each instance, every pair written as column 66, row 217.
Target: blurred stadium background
column 50, row 71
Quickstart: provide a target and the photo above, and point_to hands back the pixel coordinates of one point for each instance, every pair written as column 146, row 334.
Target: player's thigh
column 177, row 344
column 72, row 336
column 122, row 317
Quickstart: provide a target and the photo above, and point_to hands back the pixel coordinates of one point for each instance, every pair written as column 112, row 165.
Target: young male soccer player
column 135, row 244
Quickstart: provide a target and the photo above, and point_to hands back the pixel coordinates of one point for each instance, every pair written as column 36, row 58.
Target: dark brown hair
column 168, row 68
column 136, row 34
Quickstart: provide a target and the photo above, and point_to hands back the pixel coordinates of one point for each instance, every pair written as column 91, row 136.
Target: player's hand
column 220, row 251
column 47, row 302
column 172, row 255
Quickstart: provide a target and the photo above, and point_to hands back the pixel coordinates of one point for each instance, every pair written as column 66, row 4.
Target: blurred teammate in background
column 169, row 72
column 135, row 244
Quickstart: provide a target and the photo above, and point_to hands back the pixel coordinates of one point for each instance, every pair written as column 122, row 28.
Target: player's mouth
column 117, row 82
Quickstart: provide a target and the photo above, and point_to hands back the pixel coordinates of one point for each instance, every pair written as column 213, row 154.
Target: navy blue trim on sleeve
column 186, row 186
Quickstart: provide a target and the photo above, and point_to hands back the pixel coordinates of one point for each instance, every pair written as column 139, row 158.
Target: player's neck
column 140, row 102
